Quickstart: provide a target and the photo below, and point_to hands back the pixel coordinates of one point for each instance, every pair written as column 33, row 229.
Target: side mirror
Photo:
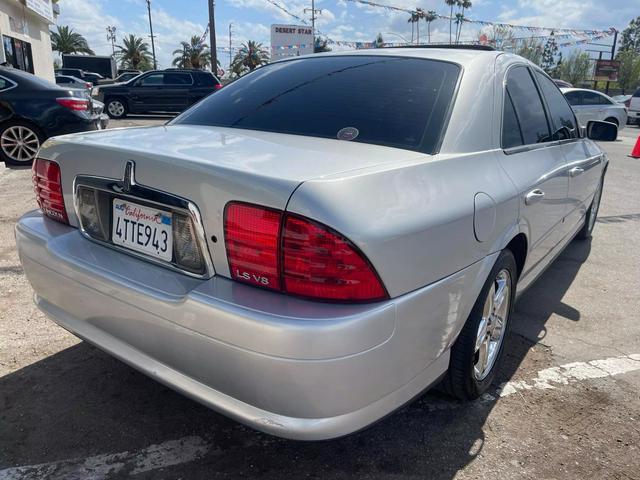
column 602, row 131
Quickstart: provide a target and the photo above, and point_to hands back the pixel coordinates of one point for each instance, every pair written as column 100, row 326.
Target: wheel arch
column 519, row 245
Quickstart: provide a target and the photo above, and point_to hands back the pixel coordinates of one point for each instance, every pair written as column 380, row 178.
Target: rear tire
column 116, row 107
column 476, row 354
column 592, row 214
column 19, row 142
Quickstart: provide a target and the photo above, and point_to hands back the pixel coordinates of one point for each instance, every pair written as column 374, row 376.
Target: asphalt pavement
column 566, row 403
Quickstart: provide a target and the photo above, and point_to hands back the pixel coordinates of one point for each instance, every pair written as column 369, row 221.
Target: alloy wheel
column 492, row 326
column 116, row 108
column 20, row 144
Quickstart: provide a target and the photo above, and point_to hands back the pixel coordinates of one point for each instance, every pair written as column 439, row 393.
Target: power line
column 609, row 31
column 288, row 12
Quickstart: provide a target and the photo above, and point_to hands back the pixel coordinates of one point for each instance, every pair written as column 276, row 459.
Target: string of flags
column 290, row 47
column 570, row 31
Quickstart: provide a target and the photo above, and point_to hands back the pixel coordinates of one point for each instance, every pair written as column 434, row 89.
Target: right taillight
column 47, row 184
column 293, row 254
column 73, row 103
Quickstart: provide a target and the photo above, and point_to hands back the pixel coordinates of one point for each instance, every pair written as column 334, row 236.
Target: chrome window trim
column 11, row 82
column 145, row 194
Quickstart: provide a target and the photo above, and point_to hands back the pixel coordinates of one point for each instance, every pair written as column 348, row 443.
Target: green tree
column 379, row 41
column 250, row 56
column 549, row 54
column 192, row 54
column 65, row 40
column 531, row 49
column 500, row 36
column 631, row 36
column 464, row 5
column 429, row 17
column 134, row 53
column 629, row 74
column 321, row 45
column 576, row 68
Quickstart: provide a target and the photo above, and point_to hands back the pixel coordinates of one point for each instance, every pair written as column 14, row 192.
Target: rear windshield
column 394, row 101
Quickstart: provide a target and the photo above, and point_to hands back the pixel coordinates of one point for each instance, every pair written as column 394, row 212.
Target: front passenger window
column 564, row 121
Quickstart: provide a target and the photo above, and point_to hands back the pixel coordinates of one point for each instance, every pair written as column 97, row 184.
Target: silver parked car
column 314, row 245
column 592, row 105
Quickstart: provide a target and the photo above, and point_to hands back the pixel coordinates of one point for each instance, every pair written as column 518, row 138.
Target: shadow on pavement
column 81, row 402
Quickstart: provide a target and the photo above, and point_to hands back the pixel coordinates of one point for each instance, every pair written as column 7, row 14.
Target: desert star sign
column 290, row 41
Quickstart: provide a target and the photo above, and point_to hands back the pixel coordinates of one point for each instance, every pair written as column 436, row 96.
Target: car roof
column 462, row 56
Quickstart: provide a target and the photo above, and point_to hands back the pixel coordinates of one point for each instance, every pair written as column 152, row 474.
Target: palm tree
column 464, row 4
column 249, row 57
column 413, row 19
column 451, row 3
column 420, row 14
column 134, row 53
column 193, row 54
column 429, row 17
column 458, row 21
column 65, row 40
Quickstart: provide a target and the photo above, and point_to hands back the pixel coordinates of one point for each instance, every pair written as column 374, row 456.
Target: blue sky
column 176, row 20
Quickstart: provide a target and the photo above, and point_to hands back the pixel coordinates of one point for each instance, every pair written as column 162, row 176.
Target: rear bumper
column 286, row 366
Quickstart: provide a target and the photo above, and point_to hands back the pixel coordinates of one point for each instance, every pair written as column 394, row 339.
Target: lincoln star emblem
column 129, row 176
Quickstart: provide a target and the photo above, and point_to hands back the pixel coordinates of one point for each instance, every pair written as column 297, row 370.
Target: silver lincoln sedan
column 314, row 245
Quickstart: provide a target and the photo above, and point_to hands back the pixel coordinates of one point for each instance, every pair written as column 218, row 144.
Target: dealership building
column 24, row 28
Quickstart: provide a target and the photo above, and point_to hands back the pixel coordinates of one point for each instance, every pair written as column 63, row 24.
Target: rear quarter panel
column 415, row 222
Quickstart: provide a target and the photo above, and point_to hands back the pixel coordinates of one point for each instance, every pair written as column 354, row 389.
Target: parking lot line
column 574, row 372
column 187, row 449
column 172, row 452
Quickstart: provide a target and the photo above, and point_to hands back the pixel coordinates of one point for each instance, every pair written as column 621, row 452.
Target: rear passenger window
column 177, row 79
column 562, row 116
column 590, row 98
column 528, row 106
column 511, row 133
column 574, row 98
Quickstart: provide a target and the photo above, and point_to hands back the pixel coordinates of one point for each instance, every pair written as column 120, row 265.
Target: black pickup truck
column 171, row 90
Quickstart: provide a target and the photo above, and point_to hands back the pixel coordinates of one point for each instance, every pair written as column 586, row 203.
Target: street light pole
column 111, row 37
column 153, row 45
column 212, row 37
column 230, row 33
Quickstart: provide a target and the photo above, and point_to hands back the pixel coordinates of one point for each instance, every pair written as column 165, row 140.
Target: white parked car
column 634, row 107
column 592, row 105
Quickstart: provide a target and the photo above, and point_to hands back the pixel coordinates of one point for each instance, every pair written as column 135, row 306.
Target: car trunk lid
column 211, row 166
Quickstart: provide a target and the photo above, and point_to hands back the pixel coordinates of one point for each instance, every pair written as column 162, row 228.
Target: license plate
column 142, row 229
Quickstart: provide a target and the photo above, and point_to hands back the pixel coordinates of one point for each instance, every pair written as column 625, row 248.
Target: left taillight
column 218, row 86
column 296, row 255
column 47, row 183
column 73, row 103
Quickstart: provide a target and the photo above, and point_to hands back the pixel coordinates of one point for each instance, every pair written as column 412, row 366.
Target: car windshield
column 393, row 101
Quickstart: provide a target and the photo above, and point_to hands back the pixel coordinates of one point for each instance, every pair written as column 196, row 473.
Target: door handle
column 575, row 171
column 534, row 196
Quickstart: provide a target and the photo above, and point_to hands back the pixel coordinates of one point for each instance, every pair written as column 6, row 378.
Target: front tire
column 476, row 354
column 19, row 143
column 592, row 214
column 116, row 108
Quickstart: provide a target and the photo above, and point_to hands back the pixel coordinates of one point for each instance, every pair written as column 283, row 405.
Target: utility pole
column 111, row 37
column 230, row 56
column 212, row 37
column 313, row 19
column 153, row 45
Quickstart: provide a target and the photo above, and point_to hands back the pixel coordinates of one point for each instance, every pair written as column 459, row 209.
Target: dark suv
column 170, row 90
